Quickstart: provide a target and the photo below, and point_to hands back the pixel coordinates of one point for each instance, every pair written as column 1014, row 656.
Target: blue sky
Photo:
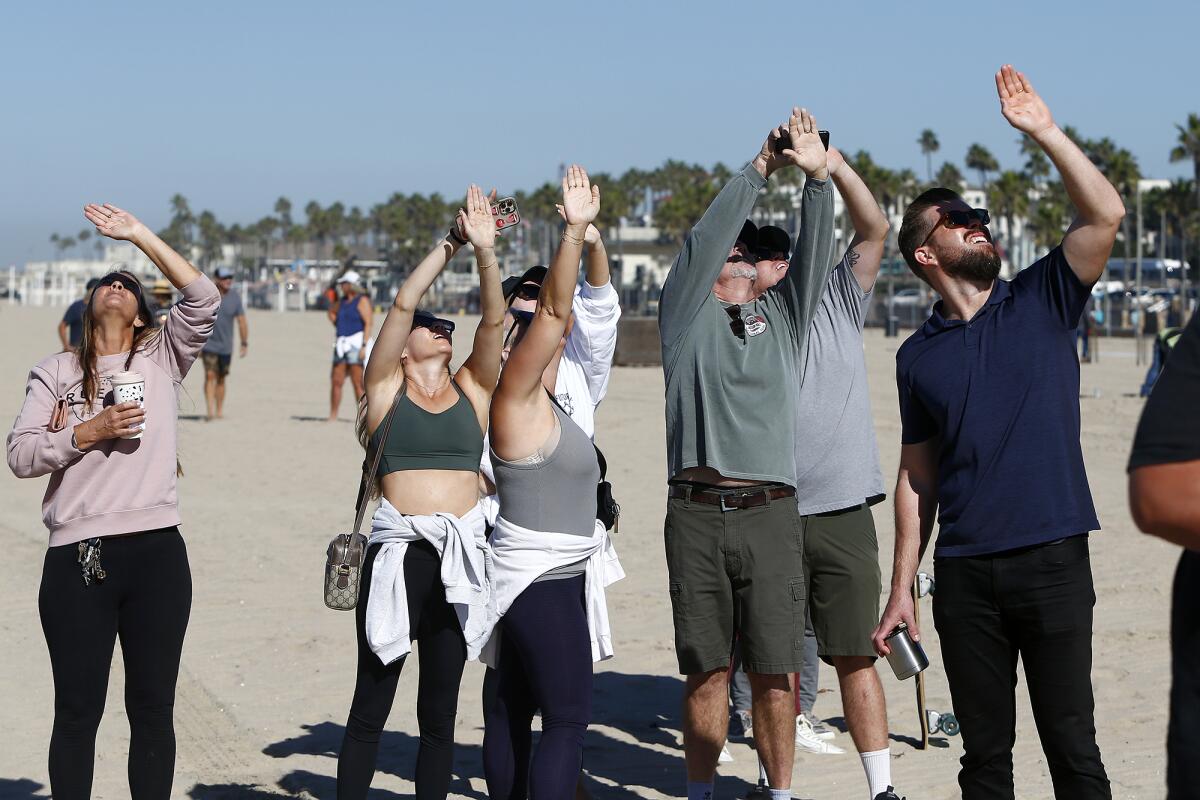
column 235, row 103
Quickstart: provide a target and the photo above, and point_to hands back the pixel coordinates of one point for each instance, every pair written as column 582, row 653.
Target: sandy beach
column 268, row 671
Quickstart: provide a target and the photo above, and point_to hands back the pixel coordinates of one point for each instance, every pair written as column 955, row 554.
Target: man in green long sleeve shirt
column 733, row 534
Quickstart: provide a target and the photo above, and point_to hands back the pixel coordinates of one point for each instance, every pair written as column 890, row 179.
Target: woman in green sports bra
column 424, row 575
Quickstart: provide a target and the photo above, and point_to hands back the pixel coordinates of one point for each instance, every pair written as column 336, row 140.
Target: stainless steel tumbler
column 906, row 657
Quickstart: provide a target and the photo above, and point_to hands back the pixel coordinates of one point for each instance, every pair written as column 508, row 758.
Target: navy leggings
column 546, row 664
column 441, row 654
column 145, row 600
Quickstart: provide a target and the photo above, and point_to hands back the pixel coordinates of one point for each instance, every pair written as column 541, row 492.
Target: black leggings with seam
column 545, row 664
column 145, row 599
column 441, row 655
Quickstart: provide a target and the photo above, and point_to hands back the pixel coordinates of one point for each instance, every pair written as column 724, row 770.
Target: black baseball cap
column 93, row 283
column 535, row 275
column 773, row 239
column 749, row 234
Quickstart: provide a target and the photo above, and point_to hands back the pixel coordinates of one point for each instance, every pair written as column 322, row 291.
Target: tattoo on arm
column 852, row 257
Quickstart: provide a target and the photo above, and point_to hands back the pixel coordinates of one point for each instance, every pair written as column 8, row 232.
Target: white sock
column 780, row 794
column 700, row 791
column 878, row 766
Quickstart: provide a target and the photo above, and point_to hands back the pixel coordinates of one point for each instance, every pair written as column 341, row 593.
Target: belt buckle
column 724, row 507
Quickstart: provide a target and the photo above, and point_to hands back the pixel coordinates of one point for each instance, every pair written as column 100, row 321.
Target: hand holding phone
column 785, row 142
column 505, row 213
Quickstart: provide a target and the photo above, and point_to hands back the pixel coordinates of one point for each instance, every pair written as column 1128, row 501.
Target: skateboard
column 931, row 721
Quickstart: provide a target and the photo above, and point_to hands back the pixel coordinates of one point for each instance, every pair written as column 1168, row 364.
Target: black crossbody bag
column 608, row 510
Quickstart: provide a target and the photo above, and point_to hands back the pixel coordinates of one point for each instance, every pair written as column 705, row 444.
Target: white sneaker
column 807, row 739
column 820, row 728
column 726, row 757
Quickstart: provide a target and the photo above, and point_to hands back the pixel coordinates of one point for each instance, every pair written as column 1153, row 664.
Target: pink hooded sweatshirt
column 119, row 485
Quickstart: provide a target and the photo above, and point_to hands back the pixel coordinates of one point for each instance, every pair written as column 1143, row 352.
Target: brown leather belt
column 730, row 499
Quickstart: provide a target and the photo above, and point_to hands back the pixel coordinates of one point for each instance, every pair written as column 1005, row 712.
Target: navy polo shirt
column 1002, row 392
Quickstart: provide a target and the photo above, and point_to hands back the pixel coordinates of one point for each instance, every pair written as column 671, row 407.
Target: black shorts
column 738, row 572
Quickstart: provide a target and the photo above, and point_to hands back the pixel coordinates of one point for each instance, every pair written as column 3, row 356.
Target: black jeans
column 145, row 599
column 1037, row 603
column 441, row 655
column 1183, row 735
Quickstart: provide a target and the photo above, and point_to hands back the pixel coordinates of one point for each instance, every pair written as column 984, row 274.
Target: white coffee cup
column 130, row 387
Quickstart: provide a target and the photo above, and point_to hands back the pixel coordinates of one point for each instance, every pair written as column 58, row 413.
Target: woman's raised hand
column 111, row 221
column 476, row 220
column 581, row 199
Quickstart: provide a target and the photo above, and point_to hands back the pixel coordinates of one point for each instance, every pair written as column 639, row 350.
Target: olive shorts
column 736, row 573
column 841, row 559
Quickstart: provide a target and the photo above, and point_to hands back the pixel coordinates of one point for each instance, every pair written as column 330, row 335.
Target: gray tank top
column 557, row 495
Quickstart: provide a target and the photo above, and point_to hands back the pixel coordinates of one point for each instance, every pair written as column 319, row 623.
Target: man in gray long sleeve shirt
column 733, row 534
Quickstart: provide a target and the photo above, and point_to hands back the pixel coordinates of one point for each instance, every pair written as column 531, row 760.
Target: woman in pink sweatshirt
column 116, row 565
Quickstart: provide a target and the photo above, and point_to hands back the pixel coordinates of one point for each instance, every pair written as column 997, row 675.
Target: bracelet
column 453, row 235
column 566, row 237
column 489, row 266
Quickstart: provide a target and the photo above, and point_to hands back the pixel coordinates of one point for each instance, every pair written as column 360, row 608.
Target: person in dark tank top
column 351, row 318
column 551, row 559
column 428, row 484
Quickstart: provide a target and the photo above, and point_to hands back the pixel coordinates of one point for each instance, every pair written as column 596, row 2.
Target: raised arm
column 916, row 510
column 384, row 370
column 870, row 224
column 516, row 423
column 117, row 224
column 812, row 260
column 1098, row 206
column 707, row 246
column 479, row 372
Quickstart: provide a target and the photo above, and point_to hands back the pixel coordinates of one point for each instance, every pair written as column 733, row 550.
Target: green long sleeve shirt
column 731, row 400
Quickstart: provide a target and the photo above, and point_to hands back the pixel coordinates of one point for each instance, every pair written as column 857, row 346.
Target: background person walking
column 218, row 350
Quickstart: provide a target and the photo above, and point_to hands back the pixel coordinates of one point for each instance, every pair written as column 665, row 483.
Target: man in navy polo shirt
column 989, row 406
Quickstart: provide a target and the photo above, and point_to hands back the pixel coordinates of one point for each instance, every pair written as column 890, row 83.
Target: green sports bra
column 420, row 439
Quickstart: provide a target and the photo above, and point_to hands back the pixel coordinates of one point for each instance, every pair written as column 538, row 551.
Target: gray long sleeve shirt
column 731, row 400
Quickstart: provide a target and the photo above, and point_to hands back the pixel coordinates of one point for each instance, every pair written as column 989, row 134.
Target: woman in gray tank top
column 547, row 549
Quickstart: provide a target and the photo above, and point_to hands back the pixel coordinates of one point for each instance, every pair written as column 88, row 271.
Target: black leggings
column 546, row 664
column 442, row 653
column 145, row 599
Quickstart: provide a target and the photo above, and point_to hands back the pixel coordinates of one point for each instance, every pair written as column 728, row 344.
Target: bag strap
column 599, row 455
column 361, row 506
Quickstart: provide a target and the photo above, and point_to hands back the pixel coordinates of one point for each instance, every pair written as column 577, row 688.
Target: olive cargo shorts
column 740, row 573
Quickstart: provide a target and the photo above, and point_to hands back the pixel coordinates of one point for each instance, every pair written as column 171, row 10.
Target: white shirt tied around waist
column 520, row 556
column 465, row 557
column 344, row 345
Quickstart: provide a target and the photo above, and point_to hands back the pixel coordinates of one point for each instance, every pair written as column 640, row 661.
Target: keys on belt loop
column 89, row 562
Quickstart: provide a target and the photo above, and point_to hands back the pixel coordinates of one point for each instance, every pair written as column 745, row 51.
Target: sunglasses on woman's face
column 959, row 219
column 443, row 325
column 127, row 283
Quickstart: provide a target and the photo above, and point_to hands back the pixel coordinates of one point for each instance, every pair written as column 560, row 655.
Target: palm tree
column 82, row 237
column 949, row 177
column 1009, row 197
column 1121, row 169
column 1189, row 147
column 929, row 145
column 980, row 158
column 1049, row 217
column 1037, row 165
column 283, row 209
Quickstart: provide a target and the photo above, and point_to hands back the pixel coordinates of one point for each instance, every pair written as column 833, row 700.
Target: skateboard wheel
column 759, row 792
column 949, row 725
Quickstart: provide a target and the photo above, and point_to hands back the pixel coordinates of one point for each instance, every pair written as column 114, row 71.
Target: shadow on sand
column 644, row 708
column 23, row 789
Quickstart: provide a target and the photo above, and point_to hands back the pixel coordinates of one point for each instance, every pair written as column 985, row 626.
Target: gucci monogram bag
column 344, row 556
